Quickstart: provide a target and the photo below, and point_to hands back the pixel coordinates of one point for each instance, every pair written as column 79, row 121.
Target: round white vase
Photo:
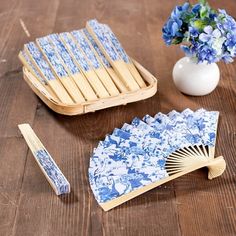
column 195, row 79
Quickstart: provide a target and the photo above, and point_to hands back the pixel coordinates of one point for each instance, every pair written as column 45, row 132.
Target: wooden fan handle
column 216, row 167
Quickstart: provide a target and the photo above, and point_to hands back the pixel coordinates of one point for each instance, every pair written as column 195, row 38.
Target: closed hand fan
column 149, row 152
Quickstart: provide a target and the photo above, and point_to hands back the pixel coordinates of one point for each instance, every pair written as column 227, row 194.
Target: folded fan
column 44, row 69
column 115, row 42
column 105, row 62
column 152, row 151
column 105, row 44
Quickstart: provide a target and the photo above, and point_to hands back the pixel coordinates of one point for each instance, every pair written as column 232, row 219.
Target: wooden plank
column 17, row 104
column 190, row 205
column 10, row 180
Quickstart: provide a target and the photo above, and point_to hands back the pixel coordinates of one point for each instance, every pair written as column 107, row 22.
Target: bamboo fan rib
column 46, row 72
column 105, row 62
column 118, row 47
column 149, row 152
column 105, row 44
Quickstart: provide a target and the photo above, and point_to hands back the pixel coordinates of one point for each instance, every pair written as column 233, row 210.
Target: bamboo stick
column 124, row 198
column 53, row 174
column 101, row 57
column 76, row 109
column 111, row 54
column 81, row 60
column 123, row 55
column 72, row 68
column 99, row 69
column 59, row 69
column 44, row 69
column 101, row 73
column 26, row 61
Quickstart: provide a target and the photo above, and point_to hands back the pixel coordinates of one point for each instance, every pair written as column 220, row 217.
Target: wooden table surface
column 189, row 205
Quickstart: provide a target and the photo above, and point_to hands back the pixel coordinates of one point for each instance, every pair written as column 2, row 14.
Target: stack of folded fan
column 152, row 151
column 82, row 65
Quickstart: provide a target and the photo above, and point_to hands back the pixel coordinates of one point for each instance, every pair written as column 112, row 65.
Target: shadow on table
column 95, row 125
column 180, row 187
column 70, row 198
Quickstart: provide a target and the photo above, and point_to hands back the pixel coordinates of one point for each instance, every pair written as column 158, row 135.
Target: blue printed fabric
column 135, row 155
column 116, row 44
column 75, row 51
column 52, row 171
column 97, row 49
column 85, row 47
column 33, row 68
column 64, row 54
column 52, row 56
column 104, row 40
column 39, row 60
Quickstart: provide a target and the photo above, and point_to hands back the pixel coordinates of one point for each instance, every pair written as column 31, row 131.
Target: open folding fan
column 149, row 152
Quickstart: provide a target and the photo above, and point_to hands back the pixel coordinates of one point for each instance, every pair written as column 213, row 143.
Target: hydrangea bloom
column 208, row 35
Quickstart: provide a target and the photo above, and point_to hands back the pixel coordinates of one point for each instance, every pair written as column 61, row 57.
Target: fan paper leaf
column 149, row 150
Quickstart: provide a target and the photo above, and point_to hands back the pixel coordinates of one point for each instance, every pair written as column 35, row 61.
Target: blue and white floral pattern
column 81, row 40
column 208, row 35
column 40, row 61
column 104, row 40
column 53, row 172
column 95, row 46
column 52, row 56
column 77, row 53
column 31, row 65
column 117, row 45
column 201, row 125
column 135, row 155
column 64, row 54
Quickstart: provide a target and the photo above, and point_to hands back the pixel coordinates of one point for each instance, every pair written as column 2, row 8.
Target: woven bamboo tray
column 91, row 106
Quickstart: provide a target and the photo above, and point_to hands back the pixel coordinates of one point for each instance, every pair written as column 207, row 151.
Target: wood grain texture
column 190, row 205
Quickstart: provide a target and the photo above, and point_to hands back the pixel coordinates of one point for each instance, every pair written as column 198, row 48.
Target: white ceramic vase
column 195, row 79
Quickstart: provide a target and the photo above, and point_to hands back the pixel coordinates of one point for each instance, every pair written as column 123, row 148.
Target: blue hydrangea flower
column 187, row 50
column 193, row 32
column 206, row 53
column 196, row 8
column 172, row 28
column 227, row 58
column 230, row 44
column 228, row 23
column 209, row 36
column 230, row 40
column 179, row 10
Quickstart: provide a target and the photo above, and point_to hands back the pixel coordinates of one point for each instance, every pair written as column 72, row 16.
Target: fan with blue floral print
column 149, row 152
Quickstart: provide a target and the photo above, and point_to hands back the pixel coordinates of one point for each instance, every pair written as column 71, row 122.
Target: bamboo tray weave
column 91, row 106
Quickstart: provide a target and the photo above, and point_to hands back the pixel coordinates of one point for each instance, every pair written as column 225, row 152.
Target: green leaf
column 199, row 24
column 203, row 2
column 203, row 12
column 177, row 41
column 188, row 16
